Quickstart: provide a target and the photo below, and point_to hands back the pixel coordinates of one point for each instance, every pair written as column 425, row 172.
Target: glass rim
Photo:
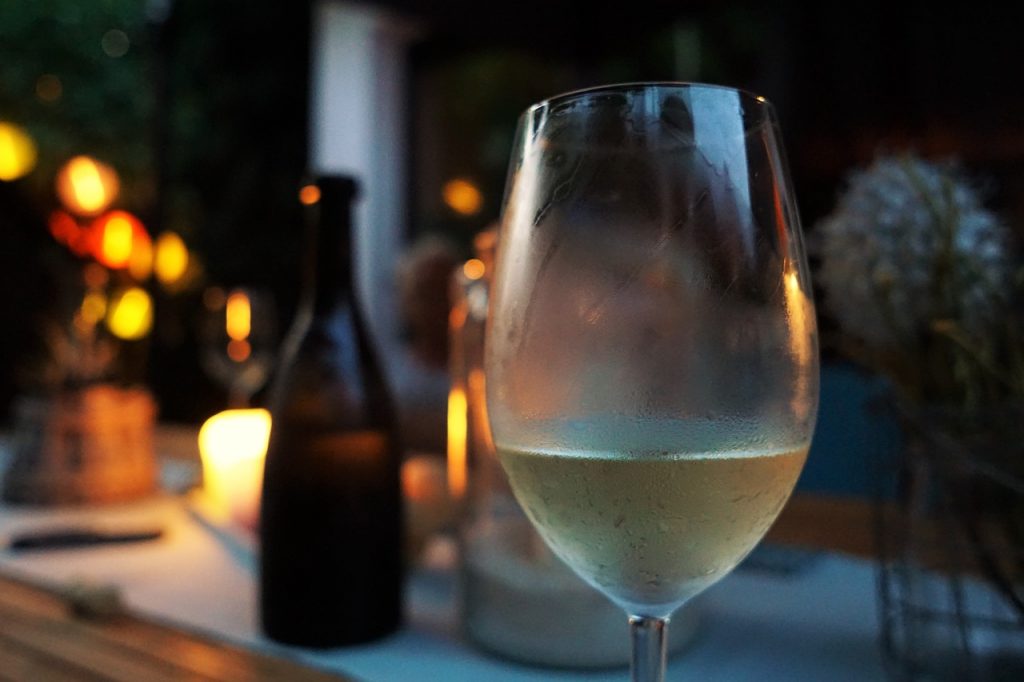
column 629, row 86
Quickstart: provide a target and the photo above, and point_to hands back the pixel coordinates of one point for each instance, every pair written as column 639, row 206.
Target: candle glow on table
column 233, row 447
column 425, row 496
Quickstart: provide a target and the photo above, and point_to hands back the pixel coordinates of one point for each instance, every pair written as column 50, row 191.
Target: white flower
column 910, row 244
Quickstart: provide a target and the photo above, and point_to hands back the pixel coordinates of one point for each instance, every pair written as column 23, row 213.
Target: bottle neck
column 330, row 264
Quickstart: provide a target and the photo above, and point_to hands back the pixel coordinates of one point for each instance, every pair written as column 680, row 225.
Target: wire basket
column 951, row 576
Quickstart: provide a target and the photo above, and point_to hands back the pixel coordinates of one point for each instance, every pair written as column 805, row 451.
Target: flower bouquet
column 925, row 287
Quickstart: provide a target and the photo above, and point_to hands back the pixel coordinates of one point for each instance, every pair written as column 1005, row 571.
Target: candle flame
column 457, row 413
column 238, row 316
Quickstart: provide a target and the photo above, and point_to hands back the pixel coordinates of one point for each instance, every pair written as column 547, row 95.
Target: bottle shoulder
column 329, row 376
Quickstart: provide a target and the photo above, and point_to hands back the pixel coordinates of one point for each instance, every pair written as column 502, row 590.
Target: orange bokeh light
column 66, row 230
column 462, row 196
column 310, row 194
column 239, row 351
column 238, row 316
column 116, row 236
column 474, row 269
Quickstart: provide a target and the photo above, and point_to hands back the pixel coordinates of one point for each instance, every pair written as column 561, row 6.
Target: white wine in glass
column 651, row 352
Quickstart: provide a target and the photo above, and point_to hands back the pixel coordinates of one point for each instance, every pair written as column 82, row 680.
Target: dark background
column 206, row 118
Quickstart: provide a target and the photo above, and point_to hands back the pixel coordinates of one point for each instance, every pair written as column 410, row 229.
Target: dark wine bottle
column 330, row 522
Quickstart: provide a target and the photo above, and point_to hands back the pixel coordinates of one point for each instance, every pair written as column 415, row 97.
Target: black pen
column 70, row 537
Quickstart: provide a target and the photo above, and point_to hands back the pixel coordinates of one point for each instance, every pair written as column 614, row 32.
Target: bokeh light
column 474, row 269
column 238, row 316
column 49, row 88
column 171, row 258
column 463, row 197
column 130, row 314
column 118, row 235
column 86, row 186
column 309, row 195
column 115, row 43
column 17, row 152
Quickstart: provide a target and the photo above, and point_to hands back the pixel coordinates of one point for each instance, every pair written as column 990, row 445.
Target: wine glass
column 238, row 334
column 651, row 352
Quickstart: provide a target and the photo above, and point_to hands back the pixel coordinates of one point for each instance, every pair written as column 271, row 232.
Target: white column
column 357, row 127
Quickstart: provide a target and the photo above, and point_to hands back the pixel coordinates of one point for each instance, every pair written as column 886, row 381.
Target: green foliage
column 104, row 107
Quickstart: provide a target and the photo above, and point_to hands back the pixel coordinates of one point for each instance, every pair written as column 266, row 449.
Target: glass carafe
column 514, row 591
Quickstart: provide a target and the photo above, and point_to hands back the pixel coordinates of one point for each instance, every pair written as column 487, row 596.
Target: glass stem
column 648, row 648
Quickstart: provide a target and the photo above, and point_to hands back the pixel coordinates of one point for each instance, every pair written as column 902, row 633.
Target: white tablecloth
column 817, row 623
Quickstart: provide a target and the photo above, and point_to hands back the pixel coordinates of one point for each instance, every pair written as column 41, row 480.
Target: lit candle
column 233, row 446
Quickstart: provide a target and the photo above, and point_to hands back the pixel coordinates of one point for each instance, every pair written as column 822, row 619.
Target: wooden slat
column 39, row 637
column 838, row 524
column 18, row 665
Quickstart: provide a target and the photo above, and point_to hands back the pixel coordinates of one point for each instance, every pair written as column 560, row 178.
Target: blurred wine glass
column 238, row 340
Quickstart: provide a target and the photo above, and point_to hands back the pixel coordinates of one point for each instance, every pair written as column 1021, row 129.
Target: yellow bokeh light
column 238, row 316
column 233, row 446
column 17, row 152
column 130, row 314
column 309, row 194
column 116, row 242
column 474, row 269
column 171, row 258
column 463, row 197
column 86, row 186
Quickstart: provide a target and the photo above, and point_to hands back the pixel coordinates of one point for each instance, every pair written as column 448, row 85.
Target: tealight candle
column 233, row 446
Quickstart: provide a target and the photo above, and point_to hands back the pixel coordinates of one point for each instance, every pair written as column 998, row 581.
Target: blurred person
column 422, row 381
